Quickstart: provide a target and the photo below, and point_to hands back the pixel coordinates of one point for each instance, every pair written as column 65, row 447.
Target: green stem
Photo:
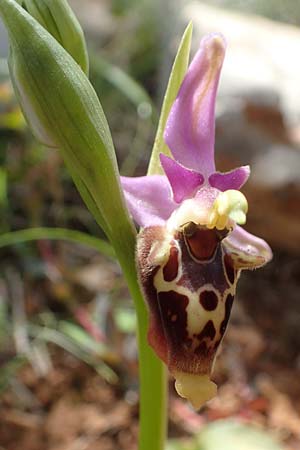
column 33, row 234
column 153, row 394
column 152, row 372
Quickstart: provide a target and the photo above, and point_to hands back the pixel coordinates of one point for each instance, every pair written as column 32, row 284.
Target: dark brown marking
column 217, row 344
column 201, row 350
column 170, row 270
column 208, row 331
column 202, row 243
column 228, row 306
column 173, row 304
column 147, row 272
column 230, row 272
column 209, row 300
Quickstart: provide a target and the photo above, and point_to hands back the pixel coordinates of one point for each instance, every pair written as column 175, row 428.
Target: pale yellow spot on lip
column 160, row 251
column 197, row 389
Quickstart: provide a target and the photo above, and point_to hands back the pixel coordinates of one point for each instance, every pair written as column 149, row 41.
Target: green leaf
column 33, row 234
column 227, row 435
column 80, row 337
column 58, row 19
column 58, row 337
column 177, row 75
column 63, row 110
column 125, row 319
column 4, row 322
column 9, row 370
column 3, row 187
column 175, row 444
column 232, row 435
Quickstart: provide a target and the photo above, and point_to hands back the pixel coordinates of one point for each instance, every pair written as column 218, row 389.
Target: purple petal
column 247, row 250
column 190, row 129
column 234, row 179
column 148, row 199
column 183, row 181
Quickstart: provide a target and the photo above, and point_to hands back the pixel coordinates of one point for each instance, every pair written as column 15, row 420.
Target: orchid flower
column 190, row 248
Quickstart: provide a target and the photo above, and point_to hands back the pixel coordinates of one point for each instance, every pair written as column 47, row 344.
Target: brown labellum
column 189, row 283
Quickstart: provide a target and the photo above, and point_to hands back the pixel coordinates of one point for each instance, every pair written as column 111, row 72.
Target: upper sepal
column 190, row 129
column 177, row 74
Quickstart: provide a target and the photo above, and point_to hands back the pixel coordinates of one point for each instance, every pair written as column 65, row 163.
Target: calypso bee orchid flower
column 191, row 249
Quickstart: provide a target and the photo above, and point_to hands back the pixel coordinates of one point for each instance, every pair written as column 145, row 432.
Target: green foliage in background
column 227, row 434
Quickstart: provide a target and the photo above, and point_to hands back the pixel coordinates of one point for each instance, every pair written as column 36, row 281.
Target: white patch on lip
column 197, row 316
column 160, row 251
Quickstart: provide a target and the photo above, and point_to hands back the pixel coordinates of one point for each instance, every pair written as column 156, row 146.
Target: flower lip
column 198, row 389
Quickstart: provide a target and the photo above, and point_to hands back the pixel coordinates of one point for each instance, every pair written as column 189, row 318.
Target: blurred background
column 68, row 362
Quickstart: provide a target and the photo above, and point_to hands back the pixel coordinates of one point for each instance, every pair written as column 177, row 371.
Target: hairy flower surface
column 191, row 248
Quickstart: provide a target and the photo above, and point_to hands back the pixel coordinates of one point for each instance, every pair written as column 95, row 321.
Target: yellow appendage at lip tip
column 229, row 207
column 197, row 389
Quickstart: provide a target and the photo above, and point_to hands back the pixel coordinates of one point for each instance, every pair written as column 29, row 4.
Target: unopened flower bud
column 63, row 111
column 58, row 19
